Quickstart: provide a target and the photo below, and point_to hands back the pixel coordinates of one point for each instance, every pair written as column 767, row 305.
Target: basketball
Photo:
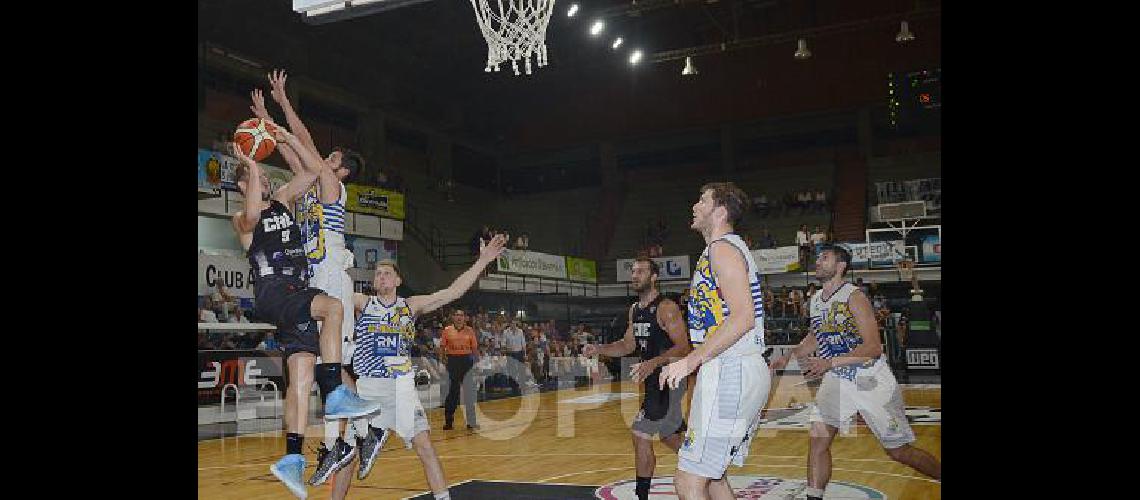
column 256, row 135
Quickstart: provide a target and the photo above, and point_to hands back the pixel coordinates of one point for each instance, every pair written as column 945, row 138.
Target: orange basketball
column 256, row 135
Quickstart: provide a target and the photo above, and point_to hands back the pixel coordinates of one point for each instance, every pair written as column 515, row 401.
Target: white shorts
column 331, row 277
column 724, row 414
column 400, row 410
column 874, row 394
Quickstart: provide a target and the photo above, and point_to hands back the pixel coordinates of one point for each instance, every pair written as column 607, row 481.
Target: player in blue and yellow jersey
column 385, row 331
column 726, row 328
column 845, row 349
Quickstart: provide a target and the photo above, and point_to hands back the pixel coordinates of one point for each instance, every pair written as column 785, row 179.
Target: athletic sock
column 642, row 489
column 293, row 443
column 328, row 378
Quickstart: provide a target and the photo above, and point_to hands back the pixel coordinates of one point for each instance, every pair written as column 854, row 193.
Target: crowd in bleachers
column 799, row 202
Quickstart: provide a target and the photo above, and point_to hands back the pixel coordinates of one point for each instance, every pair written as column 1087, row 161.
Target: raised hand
column 258, row 107
column 277, row 83
column 492, row 249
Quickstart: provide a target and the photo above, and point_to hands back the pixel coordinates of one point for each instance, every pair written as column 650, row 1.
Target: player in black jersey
column 271, row 236
column 658, row 333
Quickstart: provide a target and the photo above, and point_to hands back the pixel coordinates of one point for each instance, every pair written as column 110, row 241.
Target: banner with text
column 672, row 268
column 928, row 190
column 581, row 269
column 374, row 200
column 243, row 368
column 232, row 272
column 777, row 260
column 879, row 252
column 532, row 263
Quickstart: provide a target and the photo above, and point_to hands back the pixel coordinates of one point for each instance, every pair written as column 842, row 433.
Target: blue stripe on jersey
column 333, row 217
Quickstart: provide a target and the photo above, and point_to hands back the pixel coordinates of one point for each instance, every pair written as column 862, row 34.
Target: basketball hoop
column 906, row 269
column 514, row 32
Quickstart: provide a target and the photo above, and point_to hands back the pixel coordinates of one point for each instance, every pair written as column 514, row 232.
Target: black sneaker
column 329, row 462
column 370, row 449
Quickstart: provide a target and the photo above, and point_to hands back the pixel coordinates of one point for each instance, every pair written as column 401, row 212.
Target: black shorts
column 287, row 303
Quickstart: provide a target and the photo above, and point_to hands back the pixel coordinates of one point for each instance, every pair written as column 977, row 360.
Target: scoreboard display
column 914, row 100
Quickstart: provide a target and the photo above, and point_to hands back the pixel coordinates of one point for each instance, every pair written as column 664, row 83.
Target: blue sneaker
column 343, row 403
column 289, row 470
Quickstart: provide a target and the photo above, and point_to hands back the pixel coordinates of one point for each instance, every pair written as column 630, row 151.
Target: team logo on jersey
column 839, row 318
column 744, row 487
column 641, row 333
column 311, row 227
column 706, row 310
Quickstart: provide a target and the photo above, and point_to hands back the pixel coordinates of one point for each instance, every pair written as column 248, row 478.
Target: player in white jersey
column 321, row 213
column 726, row 327
column 856, row 377
column 385, row 331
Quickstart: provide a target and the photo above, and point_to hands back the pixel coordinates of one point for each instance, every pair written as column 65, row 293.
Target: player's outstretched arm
column 259, row 110
column 488, row 252
column 277, row 82
column 302, row 181
column 618, row 348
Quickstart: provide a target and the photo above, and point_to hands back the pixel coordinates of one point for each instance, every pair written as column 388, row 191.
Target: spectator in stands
column 204, row 343
column 584, row 336
column 804, row 200
column 542, row 353
column 878, row 301
column 227, row 343
column 268, row 343
column 769, row 300
column 803, row 240
column 864, row 288
column 796, row 302
column 483, row 326
column 224, row 302
column 425, row 347
column 514, row 346
column 206, row 311
column 238, row 316
column 882, row 314
column 818, row 237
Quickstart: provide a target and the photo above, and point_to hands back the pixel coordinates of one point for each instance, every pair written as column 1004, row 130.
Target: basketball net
column 514, row 32
column 906, row 269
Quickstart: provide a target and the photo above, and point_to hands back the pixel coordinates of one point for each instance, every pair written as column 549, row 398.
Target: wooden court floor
column 547, row 438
